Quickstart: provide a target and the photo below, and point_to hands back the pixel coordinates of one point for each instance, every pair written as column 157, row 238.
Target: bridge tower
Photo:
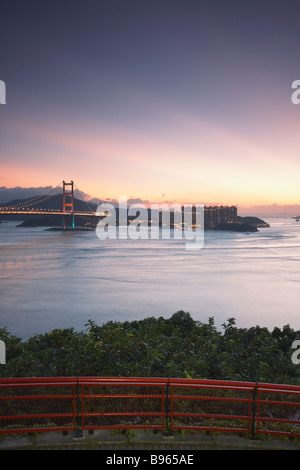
column 68, row 202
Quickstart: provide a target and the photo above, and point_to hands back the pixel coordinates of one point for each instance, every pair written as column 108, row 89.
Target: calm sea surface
column 54, row 280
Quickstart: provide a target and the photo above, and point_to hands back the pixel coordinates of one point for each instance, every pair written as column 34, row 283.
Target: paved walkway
column 139, row 440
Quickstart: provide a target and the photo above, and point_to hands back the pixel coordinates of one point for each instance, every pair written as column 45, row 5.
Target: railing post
column 167, row 433
column 78, row 431
column 252, row 436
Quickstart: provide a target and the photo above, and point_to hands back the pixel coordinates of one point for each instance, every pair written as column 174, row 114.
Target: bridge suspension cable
column 36, row 205
column 29, row 203
column 83, row 200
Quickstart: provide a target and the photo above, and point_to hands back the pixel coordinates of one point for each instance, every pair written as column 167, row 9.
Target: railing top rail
column 208, row 382
column 41, row 380
column 34, row 381
column 124, row 379
column 279, row 387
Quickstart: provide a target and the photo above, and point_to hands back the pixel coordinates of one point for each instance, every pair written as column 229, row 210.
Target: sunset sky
column 163, row 100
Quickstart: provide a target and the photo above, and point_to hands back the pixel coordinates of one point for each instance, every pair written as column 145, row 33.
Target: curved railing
column 89, row 403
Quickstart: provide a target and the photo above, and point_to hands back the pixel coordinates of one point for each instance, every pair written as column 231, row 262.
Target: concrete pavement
column 143, row 440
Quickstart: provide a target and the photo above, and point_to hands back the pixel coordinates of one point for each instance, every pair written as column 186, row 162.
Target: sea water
column 52, row 280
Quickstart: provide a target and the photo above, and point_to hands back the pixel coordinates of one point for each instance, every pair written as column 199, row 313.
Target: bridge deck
column 45, row 212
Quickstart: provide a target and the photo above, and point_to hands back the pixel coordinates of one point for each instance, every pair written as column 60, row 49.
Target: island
column 243, row 224
column 226, row 218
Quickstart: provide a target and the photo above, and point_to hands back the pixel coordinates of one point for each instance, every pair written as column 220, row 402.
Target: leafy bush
column 156, row 347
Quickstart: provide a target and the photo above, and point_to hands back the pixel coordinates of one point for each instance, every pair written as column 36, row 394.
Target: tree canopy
column 156, row 347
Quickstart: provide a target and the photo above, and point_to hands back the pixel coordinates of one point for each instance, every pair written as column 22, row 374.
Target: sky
column 170, row 100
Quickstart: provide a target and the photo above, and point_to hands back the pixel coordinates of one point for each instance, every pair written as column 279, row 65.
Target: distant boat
column 297, row 218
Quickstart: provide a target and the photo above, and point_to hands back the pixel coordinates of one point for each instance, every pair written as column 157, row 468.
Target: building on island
column 215, row 215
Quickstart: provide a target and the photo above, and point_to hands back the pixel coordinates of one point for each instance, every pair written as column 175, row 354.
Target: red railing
column 87, row 403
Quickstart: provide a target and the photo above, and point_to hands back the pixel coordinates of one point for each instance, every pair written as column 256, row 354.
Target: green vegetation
column 157, row 347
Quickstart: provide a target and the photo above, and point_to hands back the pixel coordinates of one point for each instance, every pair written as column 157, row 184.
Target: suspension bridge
column 47, row 205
